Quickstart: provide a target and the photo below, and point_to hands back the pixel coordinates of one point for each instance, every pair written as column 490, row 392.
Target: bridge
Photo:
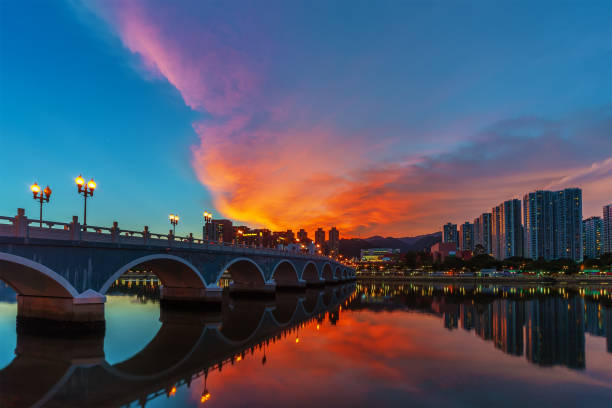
column 188, row 346
column 62, row 271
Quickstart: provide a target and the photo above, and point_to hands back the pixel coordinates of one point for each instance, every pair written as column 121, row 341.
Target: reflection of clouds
column 8, row 335
column 269, row 162
column 390, row 359
column 130, row 326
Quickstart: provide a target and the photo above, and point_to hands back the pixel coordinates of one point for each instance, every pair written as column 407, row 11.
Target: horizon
column 390, row 121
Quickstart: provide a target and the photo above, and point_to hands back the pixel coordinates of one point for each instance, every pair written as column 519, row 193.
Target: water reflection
column 188, row 345
column 546, row 324
column 356, row 345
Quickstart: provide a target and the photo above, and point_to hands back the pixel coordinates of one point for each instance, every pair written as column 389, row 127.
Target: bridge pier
column 296, row 285
column 184, row 296
column 265, row 290
column 316, row 283
column 57, row 315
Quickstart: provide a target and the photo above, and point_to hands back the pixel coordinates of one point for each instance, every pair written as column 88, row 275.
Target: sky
column 388, row 118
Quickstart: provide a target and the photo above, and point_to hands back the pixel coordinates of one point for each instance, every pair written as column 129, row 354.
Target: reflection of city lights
column 172, row 391
column 205, row 396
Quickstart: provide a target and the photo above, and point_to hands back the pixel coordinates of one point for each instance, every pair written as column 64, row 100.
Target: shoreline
column 556, row 280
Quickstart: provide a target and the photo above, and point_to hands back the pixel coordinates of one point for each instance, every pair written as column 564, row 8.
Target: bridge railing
column 21, row 226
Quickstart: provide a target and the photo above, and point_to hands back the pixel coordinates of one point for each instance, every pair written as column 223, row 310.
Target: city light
column 87, row 190
column 41, row 197
column 174, row 219
column 205, row 396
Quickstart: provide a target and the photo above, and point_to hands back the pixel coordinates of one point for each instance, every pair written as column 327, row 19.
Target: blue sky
column 388, row 119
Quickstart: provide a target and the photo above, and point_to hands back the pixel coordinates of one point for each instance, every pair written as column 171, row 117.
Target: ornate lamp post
column 207, row 219
column 41, row 196
column 174, row 219
column 87, row 190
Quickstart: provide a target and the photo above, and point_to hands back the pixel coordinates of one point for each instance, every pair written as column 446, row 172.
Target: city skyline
column 198, row 108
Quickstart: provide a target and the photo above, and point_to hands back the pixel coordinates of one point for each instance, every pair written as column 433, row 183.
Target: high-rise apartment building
column 553, row 224
column 592, row 242
column 568, row 224
column 450, row 234
column 302, row 235
column 320, row 237
column 334, row 240
column 507, row 230
column 607, row 229
column 482, row 232
column 538, row 221
column 466, row 237
column 606, row 234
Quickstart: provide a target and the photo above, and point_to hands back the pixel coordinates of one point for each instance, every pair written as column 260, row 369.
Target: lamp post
column 207, row 220
column 174, row 219
column 87, row 190
column 40, row 196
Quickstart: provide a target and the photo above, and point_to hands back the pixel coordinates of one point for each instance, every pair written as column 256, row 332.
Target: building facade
column 538, row 221
column 450, row 234
column 568, row 224
column 441, row 250
column 553, row 224
column 507, row 230
column 334, row 241
column 607, row 229
column 592, row 242
column 379, row 254
column 320, row 237
column 482, row 232
column 466, row 237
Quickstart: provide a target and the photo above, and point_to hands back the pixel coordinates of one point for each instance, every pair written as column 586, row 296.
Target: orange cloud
column 269, row 161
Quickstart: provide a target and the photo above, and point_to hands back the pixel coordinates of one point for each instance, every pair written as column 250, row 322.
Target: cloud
column 269, row 160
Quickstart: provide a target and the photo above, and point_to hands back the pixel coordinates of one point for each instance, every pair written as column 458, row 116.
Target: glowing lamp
column 35, row 189
column 92, row 184
column 47, row 191
column 80, row 181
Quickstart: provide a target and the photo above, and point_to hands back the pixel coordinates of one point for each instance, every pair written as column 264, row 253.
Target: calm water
column 360, row 345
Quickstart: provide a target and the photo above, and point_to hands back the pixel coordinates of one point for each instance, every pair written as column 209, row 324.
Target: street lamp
column 87, row 190
column 40, row 196
column 239, row 240
column 174, row 219
column 207, row 219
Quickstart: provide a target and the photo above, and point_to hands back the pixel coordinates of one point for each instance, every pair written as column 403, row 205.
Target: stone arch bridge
column 62, row 272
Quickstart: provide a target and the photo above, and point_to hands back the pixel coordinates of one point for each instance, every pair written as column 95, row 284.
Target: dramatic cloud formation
column 270, row 160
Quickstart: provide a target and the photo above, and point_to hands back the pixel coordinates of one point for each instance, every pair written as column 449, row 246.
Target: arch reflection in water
column 75, row 372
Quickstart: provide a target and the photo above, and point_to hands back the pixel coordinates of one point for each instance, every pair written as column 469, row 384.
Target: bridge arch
column 244, row 272
column 310, row 273
column 337, row 272
column 31, row 278
column 172, row 271
column 327, row 273
column 285, row 273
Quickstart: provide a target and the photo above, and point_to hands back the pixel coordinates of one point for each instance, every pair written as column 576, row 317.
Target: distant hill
column 352, row 247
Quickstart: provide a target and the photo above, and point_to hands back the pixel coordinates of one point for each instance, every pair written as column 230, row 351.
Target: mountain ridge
column 352, row 247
